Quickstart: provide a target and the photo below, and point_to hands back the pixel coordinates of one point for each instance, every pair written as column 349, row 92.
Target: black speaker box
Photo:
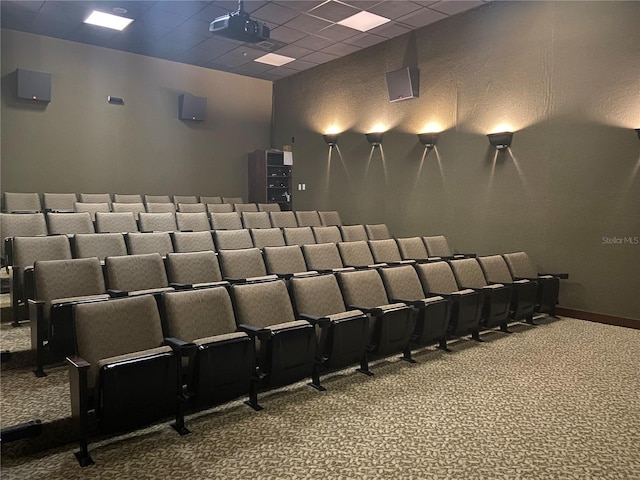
column 192, row 108
column 34, row 85
column 403, row 84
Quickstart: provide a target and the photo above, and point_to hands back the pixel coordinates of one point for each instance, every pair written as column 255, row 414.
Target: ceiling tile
column 300, row 5
column 318, row 57
column 390, row 30
column 422, row 17
column 334, row 11
column 195, row 25
column 294, row 51
column 365, row 40
column 451, row 8
column 314, row 42
column 16, row 17
column 33, row 6
column 363, row 4
column 157, row 16
column 287, row 34
column 340, row 49
column 239, row 56
column 210, row 12
column 181, row 8
column 184, row 39
column 219, row 45
column 252, row 68
column 308, row 24
column 274, row 13
column 394, row 10
column 338, row 33
column 299, row 65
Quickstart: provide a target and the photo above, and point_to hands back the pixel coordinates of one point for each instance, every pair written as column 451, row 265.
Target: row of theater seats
column 20, row 225
column 66, row 202
column 125, row 353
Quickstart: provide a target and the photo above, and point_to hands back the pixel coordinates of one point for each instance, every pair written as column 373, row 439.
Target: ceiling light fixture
column 375, row 138
column 331, row 139
column 107, row 20
column 274, row 59
column 363, row 21
column 428, row 139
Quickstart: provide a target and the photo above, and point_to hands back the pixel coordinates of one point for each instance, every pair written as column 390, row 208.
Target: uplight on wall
column 374, row 138
column 331, row 139
column 428, row 139
column 501, row 140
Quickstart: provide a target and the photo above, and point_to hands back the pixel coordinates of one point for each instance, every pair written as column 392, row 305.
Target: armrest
column 415, row 303
column 375, row 311
column 181, row 286
column 78, row 363
column 561, row 276
column 117, row 293
column 322, row 322
column 253, row 331
column 185, row 349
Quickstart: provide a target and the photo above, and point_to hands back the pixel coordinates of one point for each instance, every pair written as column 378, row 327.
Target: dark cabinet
column 269, row 178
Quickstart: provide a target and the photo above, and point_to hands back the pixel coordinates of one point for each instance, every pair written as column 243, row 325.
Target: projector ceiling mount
column 239, row 26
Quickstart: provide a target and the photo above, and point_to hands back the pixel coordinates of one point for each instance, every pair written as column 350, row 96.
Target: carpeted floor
column 560, row 400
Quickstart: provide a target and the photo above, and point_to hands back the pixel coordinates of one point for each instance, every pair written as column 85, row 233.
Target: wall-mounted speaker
column 403, row 84
column 192, row 108
column 34, row 85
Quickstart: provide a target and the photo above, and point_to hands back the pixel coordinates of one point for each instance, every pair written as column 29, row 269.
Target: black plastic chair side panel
column 548, row 290
column 223, row 371
column 432, row 322
column 523, row 300
column 466, row 311
column 290, row 355
column 347, row 342
column 137, row 392
column 497, row 306
column 392, row 331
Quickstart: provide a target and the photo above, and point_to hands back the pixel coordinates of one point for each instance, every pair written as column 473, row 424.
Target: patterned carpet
column 559, row 400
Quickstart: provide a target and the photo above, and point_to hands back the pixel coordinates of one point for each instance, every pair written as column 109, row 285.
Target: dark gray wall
column 563, row 75
column 80, row 143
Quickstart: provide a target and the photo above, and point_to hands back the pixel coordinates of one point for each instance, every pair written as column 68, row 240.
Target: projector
column 238, row 26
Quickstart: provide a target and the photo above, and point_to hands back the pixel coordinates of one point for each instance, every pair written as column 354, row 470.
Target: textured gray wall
column 564, row 75
column 80, row 143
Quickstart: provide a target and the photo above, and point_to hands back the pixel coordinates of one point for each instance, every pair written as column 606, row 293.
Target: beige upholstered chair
column 161, row 207
column 283, row 219
column 136, row 274
column 308, row 218
column 219, row 208
column 330, row 218
column 256, row 220
column 353, row 233
column 386, row 251
column 269, row 207
column 330, row 234
column 157, row 199
column 323, row 257
column 58, row 284
column 285, row 261
column 135, row 208
column 403, row 285
column 21, row 202
column 127, row 198
column 226, row 221
column 378, row 231
column 206, row 200
column 299, row 236
column 158, row 222
column 69, row 223
column 356, row 254
column 192, row 207
column 193, row 268
column 245, row 207
column 192, row 241
column 412, row 248
column 19, row 225
column 392, row 324
column 59, row 202
column 110, row 222
column 232, row 200
column 232, row 239
column 246, row 263
column 99, row 245
column 178, row 199
column 195, row 222
column 205, row 317
column 150, row 242
column 96, row 198
column 267, row 237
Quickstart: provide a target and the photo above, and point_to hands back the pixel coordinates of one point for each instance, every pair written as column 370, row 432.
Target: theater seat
column 378, row 231
column 136, row 275
column 69, row 223
column 192, row 241
column 99, row 245
column 285, row 261
column 21, row 202
column 193, row 269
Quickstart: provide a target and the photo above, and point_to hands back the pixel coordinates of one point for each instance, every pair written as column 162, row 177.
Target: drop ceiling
column 306, row 30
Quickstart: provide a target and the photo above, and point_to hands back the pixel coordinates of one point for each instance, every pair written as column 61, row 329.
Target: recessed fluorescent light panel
column 363, row 21
column 274, row 59
column 107, row 20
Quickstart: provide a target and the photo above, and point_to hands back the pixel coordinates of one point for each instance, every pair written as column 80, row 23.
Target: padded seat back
column 285, row 219
column 437, row 277
column 363, row 288
column 158, row 222
column 232, row 200
column 322, row 256
column 96, row 198
column 241, row 264
column 308, row 218
column 520, row 265
column 127, row 198
column 353, row 233
column 99, row 245
column 131, row 273
column 437, row 246
column 256, row 219
column 219, row 208
column 232, row 239
column 26, row 250
column 330, row 234
column 468, row 273
column 157, row 199
column 378, row 231
column 91, row 208
column 21, row 202
column 284, row 260
column 194, row 221
column 402, row 283
column 264, row 304
column 210, row 199
column 355, row 254
column 330, row 218
column 135, row 208
column 192, row 207
column 121, row 222
column 412, row 248
column 267, row 237
column 299, row 236
column 59, row 201
column 161, row 207
column 193, row 268
column 178, row 199
column 20, row 225
column 317, row 295
column 226, row 221
column 245, row 207
column 385, row 250
column 269, row 207
column 69, row 223
column 153, row 242
column 192, row 241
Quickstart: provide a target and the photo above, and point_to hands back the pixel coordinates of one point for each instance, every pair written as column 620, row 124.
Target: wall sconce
column 501, row 140
column 375, row 138
column 331, row 139
column 428, row 139
column 638, row 132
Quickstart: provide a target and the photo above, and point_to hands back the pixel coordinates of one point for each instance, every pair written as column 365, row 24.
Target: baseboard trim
column 599, row 318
